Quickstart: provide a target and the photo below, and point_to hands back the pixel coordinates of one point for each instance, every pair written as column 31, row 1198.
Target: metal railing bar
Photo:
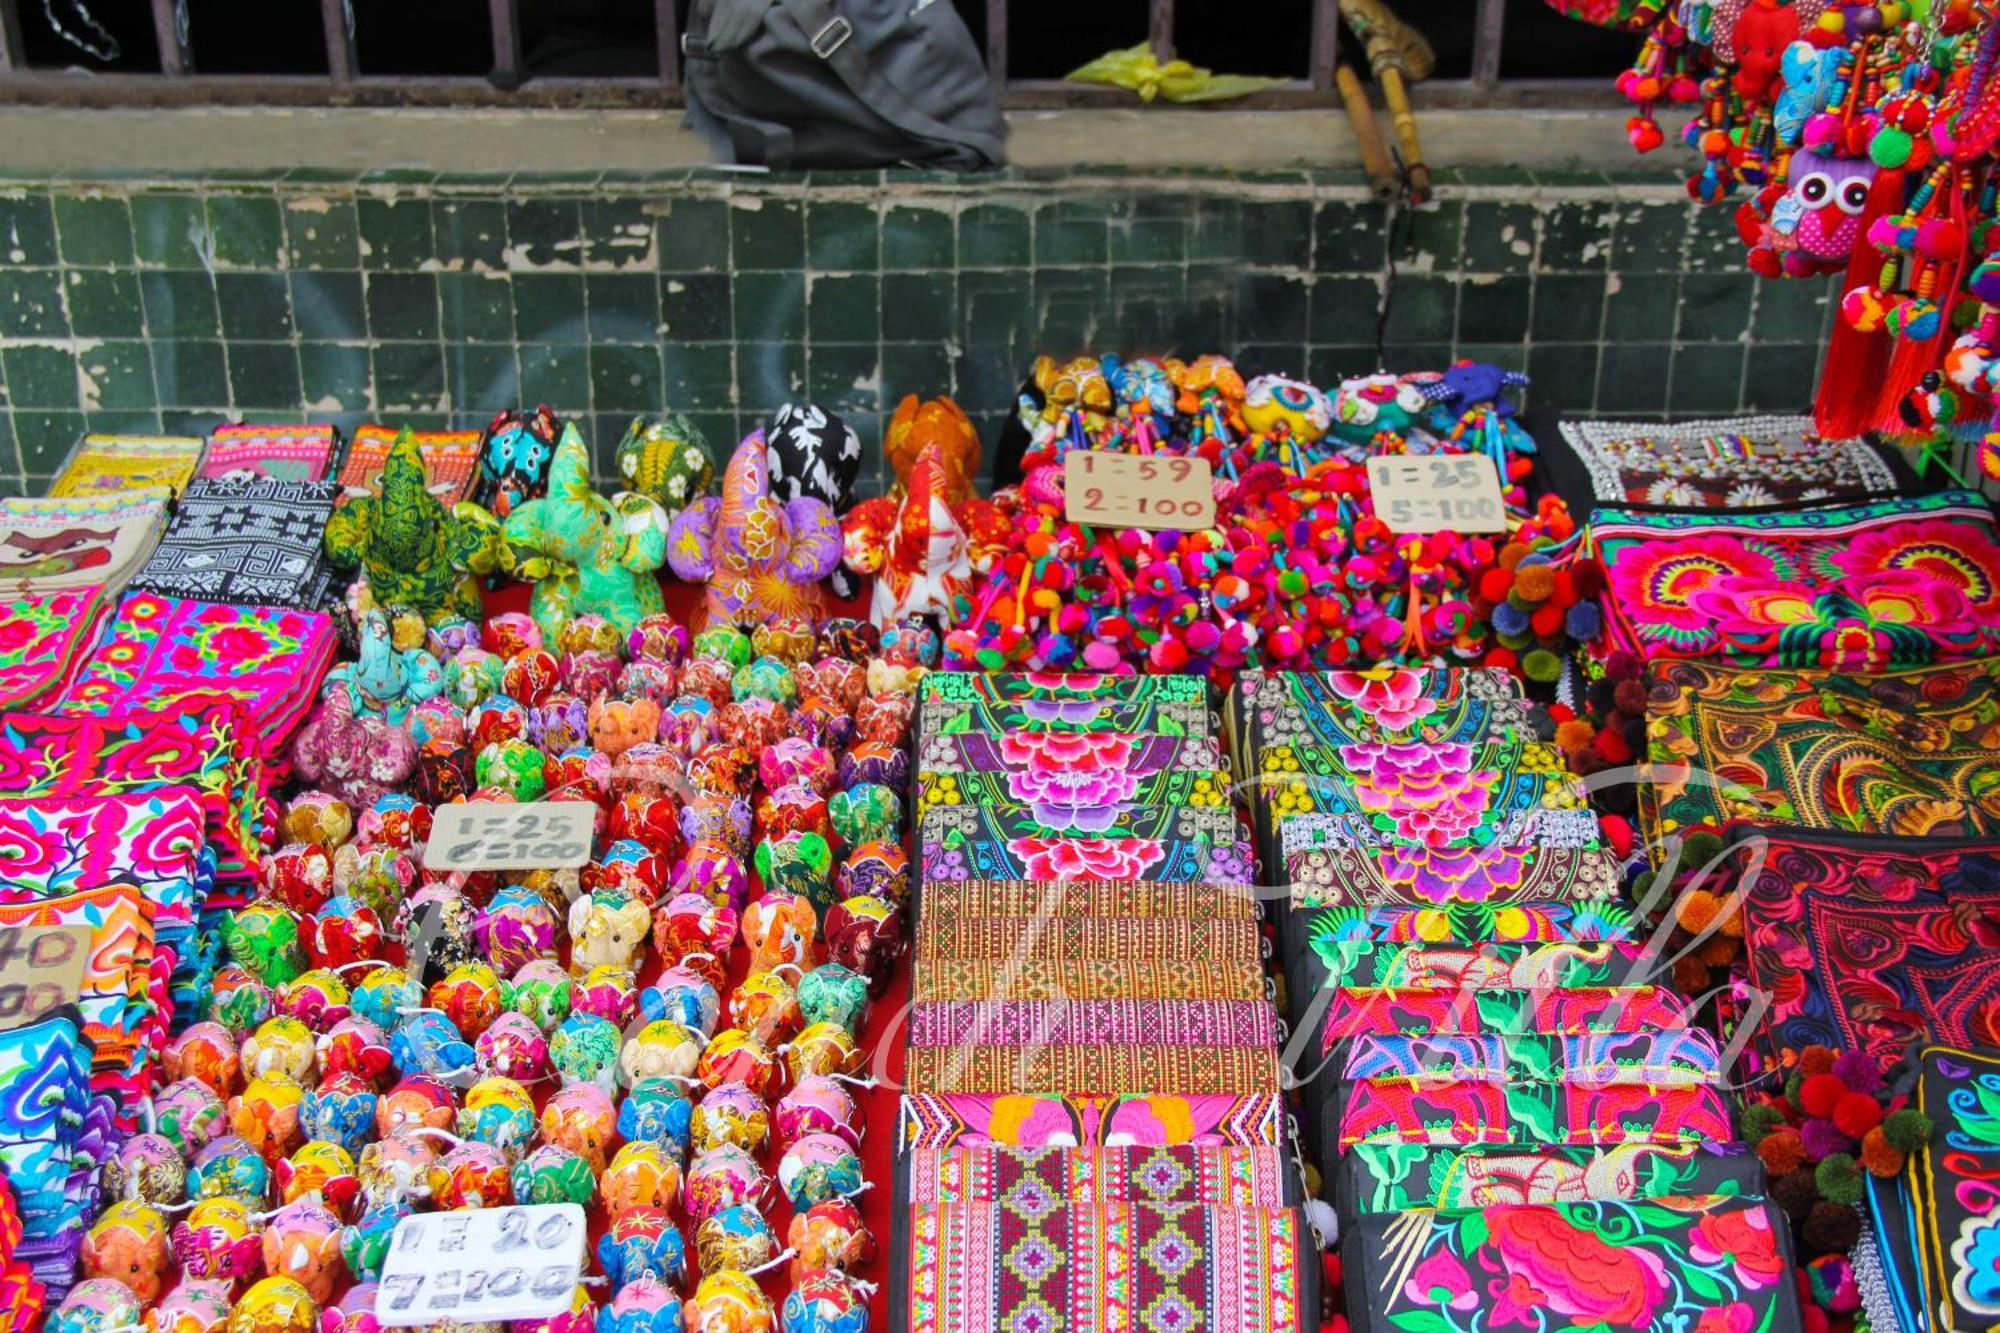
column 339, row 41
column 506, row 20
column 168, row 27
column 12, row 56
column 1160, row 28
column 996, row 42
column 1325, row 43
column 667, row 29
column 1490, row 26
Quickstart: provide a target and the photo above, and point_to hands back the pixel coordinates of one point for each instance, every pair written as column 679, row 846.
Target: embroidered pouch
column 955, row 687
column 44, row 638
column 101, row 464
column 1859, row 587
column 948, row 717
column 273, row 453
column 983, row 852
column 1046, row 1120
column 1399, row 1111
column 1156, row 1068
column 1122, row 1022
column 1954, row 1204
column 1077, row 802
column 1281, row 707
column 92, row 541
column 257, row 542
column 1426, row 876
column 451, row 462
column 1397, row 1177
column 1354, row 1013
column 1506, row 966
column 1050, row 762
column 1684, row 1057
column 1739, row 463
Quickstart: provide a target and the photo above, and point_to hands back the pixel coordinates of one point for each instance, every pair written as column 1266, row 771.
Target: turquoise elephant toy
column 586, row 555
column 383, row 682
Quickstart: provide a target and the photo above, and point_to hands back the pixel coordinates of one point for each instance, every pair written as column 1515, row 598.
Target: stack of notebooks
column 255, row 542
column 108, row 464
column 270, row 453
column 451, row 462
column 1093, row 1134
column 1518, row 1123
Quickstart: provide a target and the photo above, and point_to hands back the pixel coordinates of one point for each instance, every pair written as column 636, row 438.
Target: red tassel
column 1851, row 375
column 1914, row 357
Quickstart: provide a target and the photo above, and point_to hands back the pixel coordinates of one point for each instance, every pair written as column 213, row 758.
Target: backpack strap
column 830, row 37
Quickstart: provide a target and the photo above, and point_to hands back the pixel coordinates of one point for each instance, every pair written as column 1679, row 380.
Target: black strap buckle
column 832, row 37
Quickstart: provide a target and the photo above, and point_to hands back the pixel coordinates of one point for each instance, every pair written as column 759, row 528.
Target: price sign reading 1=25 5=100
column 1437, row 492
column 1107, row 490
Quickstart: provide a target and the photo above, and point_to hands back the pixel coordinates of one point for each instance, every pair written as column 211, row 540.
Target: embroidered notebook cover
column 951, row 717
column 1483, row 966
column 1556, row 827
column 1049, row 761
column 1079, row 801
column 1079, row 1269
column 1734, row 463
column 1399, row 1111
column 257, row 542
column 1867, row 947
column 1329, row 930
column 274, row 453
column 44, row 639
column 1034, row 1178
column 150, row 839
column 1084, row 979
column 1607, row 1265
column 1048, row 1120
column 1931, row 709
column 1121, row 939
column 51, row 543
column 1858, row 587
column 1956, row 1207
column 987, row 853
column 450, row 457
column 101, row 464
column 1353, row 1013
column 1438, row 711
column 1424, row 876
column 1437, row 794
column 1087, row 897
column 1683, row 1057
column 1153, row 1068
column 1121, row 1022
column 1397, row 1177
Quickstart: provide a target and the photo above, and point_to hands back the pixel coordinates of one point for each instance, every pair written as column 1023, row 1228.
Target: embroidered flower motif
column 1975, row 1257
column 1959, row 554
column 1086, row 858
column 1553, row 1262
column 1441, row 1280
column 1394, row 698
column 1742, row 1237
column 1735, row 1317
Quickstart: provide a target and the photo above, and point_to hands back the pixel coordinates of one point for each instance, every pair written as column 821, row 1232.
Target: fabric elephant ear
column 643, row 525
column 691, row 540
column 745, row 481
column 815, row 549
column 864, row 534
column 348, row 530
column 569, row 473
column 473, row 540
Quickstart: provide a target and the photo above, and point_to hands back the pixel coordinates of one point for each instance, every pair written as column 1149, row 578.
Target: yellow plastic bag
column 1176, row 81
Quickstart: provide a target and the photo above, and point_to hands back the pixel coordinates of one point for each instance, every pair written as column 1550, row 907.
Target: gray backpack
column 841, row 83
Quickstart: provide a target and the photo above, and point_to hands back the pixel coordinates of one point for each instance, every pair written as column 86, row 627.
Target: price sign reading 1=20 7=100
column 1107, row 490
column 1437, row 493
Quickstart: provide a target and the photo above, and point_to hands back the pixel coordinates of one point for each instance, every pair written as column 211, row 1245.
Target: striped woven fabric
column 1084, row 979
column 1088, row 897
column 1156, row 1022
column 1238, row 1176
column 1076, row 1070
column 1134, row 939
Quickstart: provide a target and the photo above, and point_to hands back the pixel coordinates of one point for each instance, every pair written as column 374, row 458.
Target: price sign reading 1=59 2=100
column 1437, row 493
column 1107, row 490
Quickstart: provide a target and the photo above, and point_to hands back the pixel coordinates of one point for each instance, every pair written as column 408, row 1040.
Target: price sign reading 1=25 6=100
column 1435, row 493
column 1108, row 490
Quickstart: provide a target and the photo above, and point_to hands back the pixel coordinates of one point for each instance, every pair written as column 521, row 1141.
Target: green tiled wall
column 174, row 304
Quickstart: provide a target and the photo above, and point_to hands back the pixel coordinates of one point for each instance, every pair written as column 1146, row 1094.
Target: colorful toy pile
column 1092, row 1127
column 1298, row 570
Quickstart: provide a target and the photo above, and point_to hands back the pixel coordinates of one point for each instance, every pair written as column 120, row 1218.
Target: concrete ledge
column 73, row 142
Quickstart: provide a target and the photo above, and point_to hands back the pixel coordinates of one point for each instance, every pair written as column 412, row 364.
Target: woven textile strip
column 1066, row 757
column 1353, row 1013
column 1083, row 979
column 1396, row 1177
column 274, row 453
column 1409, row 716
column 1729, row 464
column 159, row 650
column 102, row 464
column 958, row 687
column 1233, row 1176
column 451, row 462
column 1554, row 827
column 1118, row 938
column 1153, row 1068
column 1610, row 1265
column 200, row 747
column 257, row 542
column 1329, row 930
column 44, row 637
column 1081, row 897
column 1076, row 1269
column 1131, row 1022
column 1399, row 1111
column 149, row 839
column 943, row 819
column 1419, row 876
column 83, row 542
column 1857, row 588
column 957, row 717
column 1485, row 966
column 1046, row 1120
column 1674, row 1058
column 1865, row 948
column 1058, row 859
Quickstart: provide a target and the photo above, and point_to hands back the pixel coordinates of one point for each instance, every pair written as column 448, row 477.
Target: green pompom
column 1541, row 665
column 1796, row 1081
column 1516, row 642
column 1890, row 148
column 1907, row 1130
column 1642, row 883
column 1839, row 1178
column 1759, row 1121
column 1698, row 849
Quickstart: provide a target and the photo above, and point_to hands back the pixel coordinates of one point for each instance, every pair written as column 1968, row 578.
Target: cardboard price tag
column 482, row 1265
column 490, row 835
column 1437, row 493
column 1108, row 490
column 41, row 969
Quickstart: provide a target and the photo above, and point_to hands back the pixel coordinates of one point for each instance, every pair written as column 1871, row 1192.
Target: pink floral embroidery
column 1441, row 1280
column 1395, row 698
column 1086, row 858
column 1431, row 792
column 1052, row 751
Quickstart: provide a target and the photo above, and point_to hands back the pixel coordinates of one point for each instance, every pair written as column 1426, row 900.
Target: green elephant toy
column 412, row 553
column 585, row 554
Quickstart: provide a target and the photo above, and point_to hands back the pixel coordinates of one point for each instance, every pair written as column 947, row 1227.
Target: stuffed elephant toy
column 760, row 558
column 410, row 550
column 384, row 683
column 585, row 554
column 926, row 551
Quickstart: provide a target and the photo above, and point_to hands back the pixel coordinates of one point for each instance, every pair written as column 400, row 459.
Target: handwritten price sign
column 489, row 835
column 1436, row 493
column 1109, row 490
column 482, row 1265
column 41, row 968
